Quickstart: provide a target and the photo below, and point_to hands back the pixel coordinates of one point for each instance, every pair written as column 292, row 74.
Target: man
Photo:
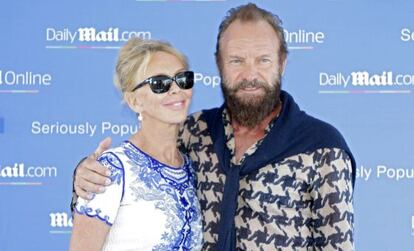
column 270, row 177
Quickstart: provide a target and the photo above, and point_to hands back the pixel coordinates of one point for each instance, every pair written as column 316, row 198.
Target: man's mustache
column 249, row 84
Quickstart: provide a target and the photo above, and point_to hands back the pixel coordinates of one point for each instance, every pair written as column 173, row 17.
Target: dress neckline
column 184, row 157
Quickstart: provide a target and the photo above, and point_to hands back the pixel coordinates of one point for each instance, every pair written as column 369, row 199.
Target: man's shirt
column 303, row 202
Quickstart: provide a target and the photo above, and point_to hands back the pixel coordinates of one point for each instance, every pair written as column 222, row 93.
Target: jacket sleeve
column 332, row 194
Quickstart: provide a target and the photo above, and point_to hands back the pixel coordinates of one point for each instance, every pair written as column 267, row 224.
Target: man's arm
column 332, row 193
column 184, row 135
column 90, row 176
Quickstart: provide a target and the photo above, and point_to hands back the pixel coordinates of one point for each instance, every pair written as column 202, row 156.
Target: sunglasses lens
column 160, row 84
column 185, row 80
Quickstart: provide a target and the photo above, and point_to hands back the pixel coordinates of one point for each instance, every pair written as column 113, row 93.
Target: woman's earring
column 139, row 117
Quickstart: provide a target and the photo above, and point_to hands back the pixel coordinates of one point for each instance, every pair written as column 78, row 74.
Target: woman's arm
column 88, row 233
column 93, row 218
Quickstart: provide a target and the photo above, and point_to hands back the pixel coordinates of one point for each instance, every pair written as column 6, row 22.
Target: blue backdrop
column 350, row 63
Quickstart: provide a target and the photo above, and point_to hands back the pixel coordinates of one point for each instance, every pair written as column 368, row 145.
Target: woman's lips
column 175, row 105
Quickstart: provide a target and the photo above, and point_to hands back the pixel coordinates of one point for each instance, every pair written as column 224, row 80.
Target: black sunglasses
column 162, row 83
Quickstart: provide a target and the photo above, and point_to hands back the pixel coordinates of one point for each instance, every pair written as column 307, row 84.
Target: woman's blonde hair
column 134, row 58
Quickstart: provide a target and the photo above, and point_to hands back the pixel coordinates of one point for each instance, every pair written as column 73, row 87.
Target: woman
column 151, row 203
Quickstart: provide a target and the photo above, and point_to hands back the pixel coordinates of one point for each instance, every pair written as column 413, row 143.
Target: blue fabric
column 293, row 132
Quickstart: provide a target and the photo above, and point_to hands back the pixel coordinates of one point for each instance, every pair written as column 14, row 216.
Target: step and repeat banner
column 350, row 63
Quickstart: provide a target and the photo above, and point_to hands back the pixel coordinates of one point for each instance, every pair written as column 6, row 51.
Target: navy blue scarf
column 293, row 132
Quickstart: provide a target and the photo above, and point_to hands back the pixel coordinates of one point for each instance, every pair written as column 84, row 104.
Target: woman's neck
column 160, row 141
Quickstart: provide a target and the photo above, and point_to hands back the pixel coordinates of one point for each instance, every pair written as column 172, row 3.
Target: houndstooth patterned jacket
column 302, row 202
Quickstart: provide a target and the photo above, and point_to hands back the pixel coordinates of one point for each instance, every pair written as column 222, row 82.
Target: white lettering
column 207, row 80
column 363, row 78
column 50, row 34
column 39, row 171
column 90, row 34
column 64, row 129
column 60, row 35
column 25, row 78
column 14, row 171
column 139, row 34
column 337, row 79
column 395, row 173
column 60, row 220
column 301, row 36
column 121, row 130
column 86, row 34
column 412, row 222
column 19, row 170
column 363, row 173
column 407, row 35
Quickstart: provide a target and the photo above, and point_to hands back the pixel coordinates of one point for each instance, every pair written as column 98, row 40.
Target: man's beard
column 249, row 111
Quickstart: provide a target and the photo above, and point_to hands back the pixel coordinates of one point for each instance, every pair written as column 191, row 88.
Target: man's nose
column 249, row 71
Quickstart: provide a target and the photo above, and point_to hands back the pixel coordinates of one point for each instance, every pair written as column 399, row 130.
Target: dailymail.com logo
column 22, row 170
column 22, row 174
column 92, row 34
column 365, row 79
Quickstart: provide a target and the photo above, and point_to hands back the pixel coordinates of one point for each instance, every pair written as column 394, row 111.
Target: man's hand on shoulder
column 90, row 176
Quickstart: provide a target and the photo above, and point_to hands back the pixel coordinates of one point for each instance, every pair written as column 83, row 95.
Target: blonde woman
column 151, row 203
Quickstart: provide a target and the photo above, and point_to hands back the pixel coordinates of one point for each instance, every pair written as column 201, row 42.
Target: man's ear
column 283, row 66
column 133, row 102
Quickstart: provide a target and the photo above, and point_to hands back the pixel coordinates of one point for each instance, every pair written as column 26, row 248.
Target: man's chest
column 285, row 183
column 243, row 142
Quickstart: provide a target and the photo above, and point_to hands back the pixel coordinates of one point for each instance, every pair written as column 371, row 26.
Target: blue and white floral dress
column 149, row 205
